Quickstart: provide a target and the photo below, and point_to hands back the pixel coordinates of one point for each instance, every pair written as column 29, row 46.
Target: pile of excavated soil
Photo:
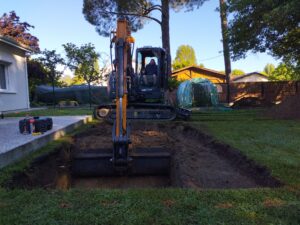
column 198, row 161
column 251, row 102
column 288, row 109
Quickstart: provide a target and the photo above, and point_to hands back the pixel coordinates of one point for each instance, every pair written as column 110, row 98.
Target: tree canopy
column 284, row 72
column 269, row 69
column 37, row 75
column 76, row 80
column 265, row 26
column 84, row 61
column 185, row 56
column 11, row 26
column 104, row 14
column 66, row 80
column 87, row 74
column 237, row 72
column 50, row 61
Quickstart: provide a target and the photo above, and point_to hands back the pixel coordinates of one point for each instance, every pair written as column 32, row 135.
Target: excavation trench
column 197, row 161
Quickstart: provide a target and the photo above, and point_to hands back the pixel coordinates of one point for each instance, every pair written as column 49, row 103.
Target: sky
column 61, row 21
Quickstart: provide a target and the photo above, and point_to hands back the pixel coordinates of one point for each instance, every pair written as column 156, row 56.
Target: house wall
column 190, row 74
column 16, row 96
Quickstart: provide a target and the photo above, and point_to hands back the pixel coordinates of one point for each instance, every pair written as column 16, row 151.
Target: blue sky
column 60, row 21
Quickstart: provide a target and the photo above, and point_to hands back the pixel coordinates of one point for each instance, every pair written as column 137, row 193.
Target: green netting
column 197, row 92
column 79, row 93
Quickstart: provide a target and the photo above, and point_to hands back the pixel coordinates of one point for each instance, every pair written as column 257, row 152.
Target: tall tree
column 104, row 14
column 185, row 56
column 51, row 60
column 269, row 69
column 266, row 26
column 84, row 61
column 226, row 51
column 11, row 26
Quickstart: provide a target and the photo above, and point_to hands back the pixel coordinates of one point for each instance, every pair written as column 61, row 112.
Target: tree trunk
column 224, row 27
column 90, row 98
column 165, row 31
column 53, row 89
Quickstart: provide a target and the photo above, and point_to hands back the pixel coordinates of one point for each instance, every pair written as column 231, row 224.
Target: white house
column 14, row 94
column 250, row 77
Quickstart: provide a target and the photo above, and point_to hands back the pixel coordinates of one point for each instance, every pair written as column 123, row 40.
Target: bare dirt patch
column 198, row 161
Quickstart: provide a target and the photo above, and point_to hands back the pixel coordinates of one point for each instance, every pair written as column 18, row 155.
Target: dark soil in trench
column 198, row 161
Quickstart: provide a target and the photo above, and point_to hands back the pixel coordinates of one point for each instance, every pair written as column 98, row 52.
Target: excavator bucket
column 94, row 163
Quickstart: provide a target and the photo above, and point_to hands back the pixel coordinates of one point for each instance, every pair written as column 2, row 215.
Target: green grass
column 273, row 143
column 164, row 206
column 53, row 112
column 270, row 142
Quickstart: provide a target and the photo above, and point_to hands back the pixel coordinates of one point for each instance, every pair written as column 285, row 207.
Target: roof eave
column 15, row 44
column 248, row 75
column 197, row 67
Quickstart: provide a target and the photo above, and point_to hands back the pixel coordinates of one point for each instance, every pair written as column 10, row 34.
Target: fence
column 269, row 92
column 78, row 93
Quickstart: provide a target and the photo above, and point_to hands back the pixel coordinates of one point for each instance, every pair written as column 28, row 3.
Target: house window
column 3, row 78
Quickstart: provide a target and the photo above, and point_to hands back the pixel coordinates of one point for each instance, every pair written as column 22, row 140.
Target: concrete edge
column 20, row 152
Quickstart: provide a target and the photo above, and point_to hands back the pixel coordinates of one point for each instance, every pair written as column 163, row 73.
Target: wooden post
column 165, row 28
column 224, row 28
column 262, row 89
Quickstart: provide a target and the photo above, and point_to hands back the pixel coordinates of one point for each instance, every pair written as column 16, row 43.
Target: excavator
column 135, row 96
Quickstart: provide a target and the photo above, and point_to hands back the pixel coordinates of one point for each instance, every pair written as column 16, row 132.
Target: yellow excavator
column 136, row 96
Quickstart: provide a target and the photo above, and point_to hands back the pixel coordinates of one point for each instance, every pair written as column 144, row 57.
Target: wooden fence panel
column 268, row 91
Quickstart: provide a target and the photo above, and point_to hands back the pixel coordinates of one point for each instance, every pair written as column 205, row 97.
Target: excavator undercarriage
column 138, row 111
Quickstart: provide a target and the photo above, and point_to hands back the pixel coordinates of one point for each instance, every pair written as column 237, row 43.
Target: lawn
column 53, row 112
column 164, row 206
column 270, row 142
column 273, row 143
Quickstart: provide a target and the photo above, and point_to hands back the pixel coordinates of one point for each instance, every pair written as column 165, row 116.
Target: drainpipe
column 26, row 82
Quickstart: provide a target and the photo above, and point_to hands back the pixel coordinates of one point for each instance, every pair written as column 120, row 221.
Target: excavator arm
column 121, row 134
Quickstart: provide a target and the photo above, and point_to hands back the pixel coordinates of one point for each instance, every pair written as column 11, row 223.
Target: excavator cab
column 151, row 74
column 146, row 87
column 146, row 84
